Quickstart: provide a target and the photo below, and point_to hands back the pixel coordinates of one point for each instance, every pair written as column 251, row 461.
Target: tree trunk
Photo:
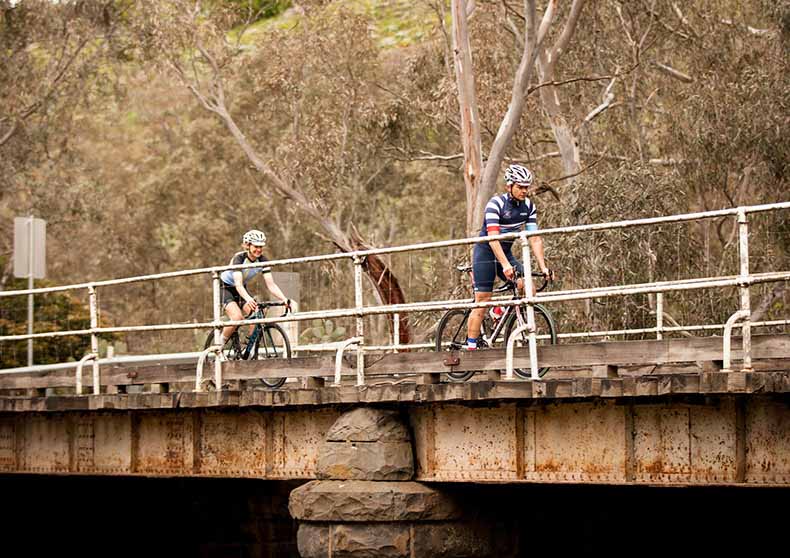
column 470, row 120
column 382, row 278
column 386, row 285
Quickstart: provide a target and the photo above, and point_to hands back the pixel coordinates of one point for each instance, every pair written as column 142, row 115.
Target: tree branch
column 584, row 78
column 672, row 72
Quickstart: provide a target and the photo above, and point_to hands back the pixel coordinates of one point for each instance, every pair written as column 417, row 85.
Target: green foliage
column 52, row 312
column 259, row 9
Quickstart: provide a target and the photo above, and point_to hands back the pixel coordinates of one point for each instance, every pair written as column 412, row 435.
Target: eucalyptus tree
column 52, row 54
column 481, row 178
column 312, row 132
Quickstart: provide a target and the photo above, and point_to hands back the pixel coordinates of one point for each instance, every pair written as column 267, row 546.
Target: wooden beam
column 599, row 356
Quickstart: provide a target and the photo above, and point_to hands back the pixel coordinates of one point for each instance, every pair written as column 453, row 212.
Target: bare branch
column 752, row 30
column 470, row 8
column 597, row 111
column 583, row 170
column 672, row 72
column 432, row 157
column 583, row 78
column 624, row 25
column 568, row 30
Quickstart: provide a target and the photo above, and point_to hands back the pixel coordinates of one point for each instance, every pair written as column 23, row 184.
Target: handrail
column 83, row 360
column 736, row 317
column 412, row 247
column 217, row 350
column 743, row 281
column 339, row 357
column 511, row 342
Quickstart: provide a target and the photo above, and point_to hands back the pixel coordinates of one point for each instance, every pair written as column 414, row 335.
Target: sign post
column 30, row 249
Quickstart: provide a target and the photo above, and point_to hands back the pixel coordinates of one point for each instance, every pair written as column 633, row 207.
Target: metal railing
column 743, row 281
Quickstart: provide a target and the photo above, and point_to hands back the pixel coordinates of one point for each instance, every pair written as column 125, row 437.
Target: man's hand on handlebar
column 548, row 274
column 509, row 272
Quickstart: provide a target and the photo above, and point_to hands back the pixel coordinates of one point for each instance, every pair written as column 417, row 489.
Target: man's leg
column 234, row 313
column 246, row 312
column 475, row 320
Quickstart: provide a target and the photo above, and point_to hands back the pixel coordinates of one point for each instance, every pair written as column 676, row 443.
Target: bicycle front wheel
column 272, row 343
column 451, row 336
column 546, row 331
column 232, row 350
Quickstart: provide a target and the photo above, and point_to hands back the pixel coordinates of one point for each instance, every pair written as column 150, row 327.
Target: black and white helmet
column 518, row 174
column 254, row 237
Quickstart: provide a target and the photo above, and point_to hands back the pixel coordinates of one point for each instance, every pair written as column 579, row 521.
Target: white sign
column 30, row 240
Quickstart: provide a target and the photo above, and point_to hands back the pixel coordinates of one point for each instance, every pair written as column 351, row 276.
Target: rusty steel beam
column 699, row 440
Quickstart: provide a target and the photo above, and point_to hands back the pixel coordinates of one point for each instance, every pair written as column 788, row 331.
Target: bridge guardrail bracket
column 452, row 360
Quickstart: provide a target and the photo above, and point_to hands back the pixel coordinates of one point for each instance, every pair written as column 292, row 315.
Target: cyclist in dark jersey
column 233, row 289
column 504, row 213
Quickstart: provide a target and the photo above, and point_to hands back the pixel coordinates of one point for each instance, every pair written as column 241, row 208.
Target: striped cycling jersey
column 240, row 258
column 505, row 214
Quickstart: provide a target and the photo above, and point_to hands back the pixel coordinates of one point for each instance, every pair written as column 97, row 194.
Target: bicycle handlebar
column 270, row 304
column 511, row 284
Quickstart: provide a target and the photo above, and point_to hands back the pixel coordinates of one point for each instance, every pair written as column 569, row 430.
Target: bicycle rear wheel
column 272, row 343
column 451, row 336
column 546, row 330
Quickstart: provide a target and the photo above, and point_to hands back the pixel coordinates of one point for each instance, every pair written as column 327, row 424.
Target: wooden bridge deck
column 580, row 370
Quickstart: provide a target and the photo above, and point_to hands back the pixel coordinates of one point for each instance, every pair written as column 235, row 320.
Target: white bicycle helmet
column 254, row 237
column 518, row 174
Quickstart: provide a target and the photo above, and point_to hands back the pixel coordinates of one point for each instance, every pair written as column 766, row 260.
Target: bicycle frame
column 259, row 331
column 498, row 326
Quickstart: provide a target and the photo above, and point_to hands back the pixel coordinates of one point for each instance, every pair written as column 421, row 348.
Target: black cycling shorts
column 229, row 294
column 486, row 268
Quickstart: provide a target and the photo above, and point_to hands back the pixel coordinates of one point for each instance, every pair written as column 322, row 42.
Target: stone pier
column 365, row 503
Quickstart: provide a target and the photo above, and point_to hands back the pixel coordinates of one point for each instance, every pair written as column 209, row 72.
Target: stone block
column 361, row 501
column 371, row 540
column 367, row 424
column 312, row 540
column 365, row 461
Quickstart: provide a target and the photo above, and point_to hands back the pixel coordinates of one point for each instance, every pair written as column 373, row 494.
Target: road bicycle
column 263, row 341
column 452, row 329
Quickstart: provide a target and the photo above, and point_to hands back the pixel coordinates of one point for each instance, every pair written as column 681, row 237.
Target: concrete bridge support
column 366, row 505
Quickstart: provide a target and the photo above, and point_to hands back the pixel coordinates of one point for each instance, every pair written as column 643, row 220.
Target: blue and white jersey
column 505, row 214
column 240, row 258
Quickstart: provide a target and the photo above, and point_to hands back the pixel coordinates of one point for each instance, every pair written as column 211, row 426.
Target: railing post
column 94, row 309
column 743, row 252
column 217, row 330
column 396, row 330
column 528, row 287
column 659, row 315
column 360, row 320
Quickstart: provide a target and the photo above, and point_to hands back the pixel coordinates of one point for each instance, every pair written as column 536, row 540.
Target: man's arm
column 536, row 244
column 238, row 281
column 507, row 269
column 273, row 288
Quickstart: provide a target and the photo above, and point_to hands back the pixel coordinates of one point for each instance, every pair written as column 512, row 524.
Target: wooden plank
column 620, row 354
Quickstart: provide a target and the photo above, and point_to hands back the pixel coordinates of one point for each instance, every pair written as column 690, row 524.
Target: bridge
column 693, row 409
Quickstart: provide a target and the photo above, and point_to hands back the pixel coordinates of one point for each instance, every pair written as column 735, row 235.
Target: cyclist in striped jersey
column 510, row 212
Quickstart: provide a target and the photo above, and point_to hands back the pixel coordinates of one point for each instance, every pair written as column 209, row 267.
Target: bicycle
column 263, row 342
column 452, row 329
